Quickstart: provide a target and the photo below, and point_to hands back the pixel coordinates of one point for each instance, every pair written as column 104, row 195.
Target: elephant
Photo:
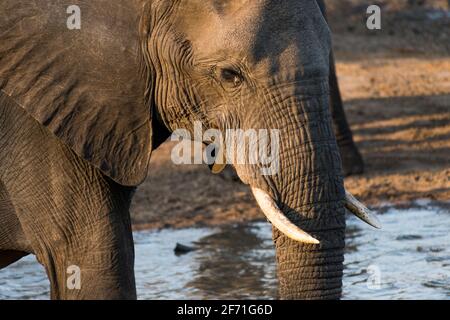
column 82, row 109
column 352, row 161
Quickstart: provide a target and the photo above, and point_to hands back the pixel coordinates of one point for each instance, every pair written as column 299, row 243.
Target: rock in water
column 182, row 249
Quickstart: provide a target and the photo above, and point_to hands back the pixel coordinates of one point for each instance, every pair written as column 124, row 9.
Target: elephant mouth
column 277, row 218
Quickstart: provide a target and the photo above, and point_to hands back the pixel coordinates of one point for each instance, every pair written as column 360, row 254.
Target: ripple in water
column 408, row 259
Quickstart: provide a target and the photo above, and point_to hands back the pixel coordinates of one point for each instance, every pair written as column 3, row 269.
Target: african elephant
column 352, row 162
column 82, row 110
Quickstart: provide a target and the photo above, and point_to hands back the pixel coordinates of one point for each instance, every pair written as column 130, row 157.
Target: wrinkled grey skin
column 81, row 111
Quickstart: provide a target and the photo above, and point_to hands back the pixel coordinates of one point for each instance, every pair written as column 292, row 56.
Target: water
column 438, row 14
column 408, row 259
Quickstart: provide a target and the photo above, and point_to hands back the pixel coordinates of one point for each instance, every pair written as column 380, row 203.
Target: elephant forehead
column 264, row 33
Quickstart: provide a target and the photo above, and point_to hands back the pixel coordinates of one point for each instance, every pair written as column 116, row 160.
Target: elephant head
column 138, row 70
column 263, row 65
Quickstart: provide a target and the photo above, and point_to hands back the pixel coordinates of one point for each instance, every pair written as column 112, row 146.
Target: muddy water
column 408, row 259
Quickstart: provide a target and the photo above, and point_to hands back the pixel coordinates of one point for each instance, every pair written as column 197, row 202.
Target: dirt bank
column 396, row 87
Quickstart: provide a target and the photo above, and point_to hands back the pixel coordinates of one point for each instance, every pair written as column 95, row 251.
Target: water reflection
column 235, row 263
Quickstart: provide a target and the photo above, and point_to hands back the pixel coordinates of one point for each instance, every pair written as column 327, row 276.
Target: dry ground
column 396, row 87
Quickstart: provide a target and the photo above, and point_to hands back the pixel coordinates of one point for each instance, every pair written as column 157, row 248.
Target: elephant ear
column 85, row 85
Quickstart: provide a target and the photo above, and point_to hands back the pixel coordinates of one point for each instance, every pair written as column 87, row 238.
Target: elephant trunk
column 308, row 190
column 310, row 272
column 314, row 202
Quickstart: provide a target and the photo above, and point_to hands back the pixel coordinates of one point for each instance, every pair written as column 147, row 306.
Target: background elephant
column 352, row 162
column 81, row 111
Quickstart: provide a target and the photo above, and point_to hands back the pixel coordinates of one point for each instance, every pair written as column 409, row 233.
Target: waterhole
column 408, row 259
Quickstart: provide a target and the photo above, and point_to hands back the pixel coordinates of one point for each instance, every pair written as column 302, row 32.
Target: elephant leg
column 82, row 236
column 98, row 263
column 74, row 217
column 13, row 242
column 81, row 233
column 352, row 161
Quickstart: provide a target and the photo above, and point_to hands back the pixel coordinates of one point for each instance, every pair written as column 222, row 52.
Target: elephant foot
column 352, row 161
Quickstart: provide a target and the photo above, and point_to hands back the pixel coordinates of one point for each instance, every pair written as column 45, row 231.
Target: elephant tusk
column 361, row 211
column 279, row 220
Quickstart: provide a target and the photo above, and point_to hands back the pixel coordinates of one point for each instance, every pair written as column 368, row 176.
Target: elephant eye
column 231, row 77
